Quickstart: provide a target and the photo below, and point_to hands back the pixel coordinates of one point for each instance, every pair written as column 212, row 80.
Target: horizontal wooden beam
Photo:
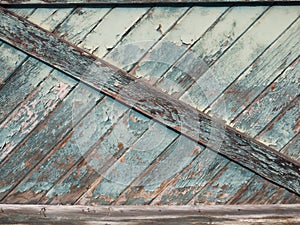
column 148, row 100
column 139, row 2
column 231, row 214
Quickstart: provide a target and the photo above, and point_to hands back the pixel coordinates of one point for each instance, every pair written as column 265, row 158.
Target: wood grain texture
column 240, row 56
column 195, row 176
column 68, row 151
column 293, row 148
column 114, row 2
column 260, row 74
column 142, row 193
column 175, row 42
column 111, row 29
column 286, row 126
column 132, row 163
column 169, row 195
column 111, row 146
column 10, row 59
column 161, row 172
column 116, row 83
column 25, row 79
column 49, row 18
column 21, row 11
column 52, row 130
column 223, row 186
column 34, row 109
column 271, row 102
column 175, row 215
column 207, row 49
column 88, row 18
column 259, row 191
column 166, row 17
column 153, row 26
column 288, row 119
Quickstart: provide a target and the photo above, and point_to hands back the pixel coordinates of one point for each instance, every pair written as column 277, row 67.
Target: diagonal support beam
column 146, row 99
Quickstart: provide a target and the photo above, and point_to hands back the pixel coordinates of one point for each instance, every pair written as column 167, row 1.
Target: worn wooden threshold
column 148, row 100
column 229, row 214
column 141, row 2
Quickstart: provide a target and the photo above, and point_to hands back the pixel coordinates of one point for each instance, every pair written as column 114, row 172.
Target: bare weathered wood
column 259, row 191
column 173, row 113
column 161, row 172
column 175, row 215
column 189, row 182
column 146, row 187
column 131, row 164
column 221, row 188
column 122, row 2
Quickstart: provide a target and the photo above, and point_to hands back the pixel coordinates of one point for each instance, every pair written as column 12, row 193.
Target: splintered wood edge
column 148, row 100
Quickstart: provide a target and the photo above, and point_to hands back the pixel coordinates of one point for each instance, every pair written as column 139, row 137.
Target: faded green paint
column 33, row 109
column 24, row 12
column 211, row 45
column 109, row 148
column 79, row 172
column 257, row 191
column 73, row 147
column 111, row 29
column 88, row 18
column 10, row 59
column 49, row 18
column 293, row 149
column 52, row 130
column 139, row 40
column 225, row 185
column 190, row 181
column 240, row 56
column 260, row 74
column 280, row 132
column 25, row 80
column 175, row 42
column 269, row 104
column 165, row 167
column 134, row 161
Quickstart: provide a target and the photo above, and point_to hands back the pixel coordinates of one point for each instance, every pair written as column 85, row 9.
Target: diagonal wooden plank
column 148, row 100
column 140, row 2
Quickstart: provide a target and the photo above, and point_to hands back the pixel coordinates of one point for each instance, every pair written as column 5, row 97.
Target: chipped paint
column 240, row 55
column 52, row 130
